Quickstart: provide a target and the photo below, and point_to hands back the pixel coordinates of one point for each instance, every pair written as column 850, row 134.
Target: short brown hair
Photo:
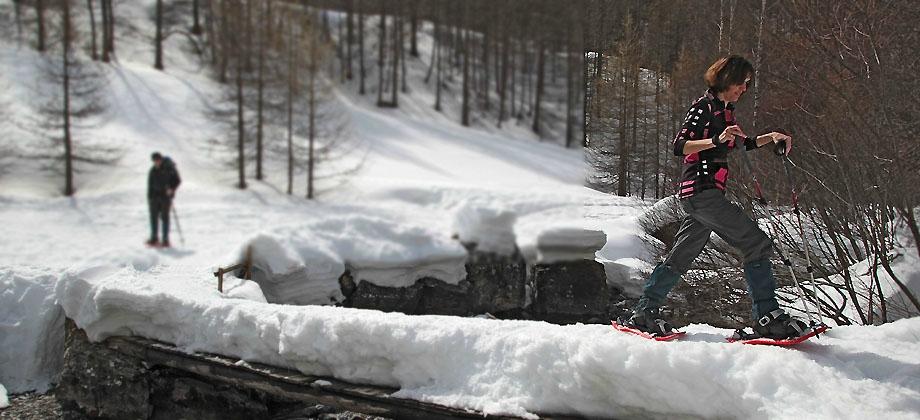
column 727, row 71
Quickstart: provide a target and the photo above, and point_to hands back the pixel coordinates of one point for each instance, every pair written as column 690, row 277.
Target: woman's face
column 734, row 92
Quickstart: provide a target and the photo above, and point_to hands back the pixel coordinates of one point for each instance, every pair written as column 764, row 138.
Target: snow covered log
column 138, row 378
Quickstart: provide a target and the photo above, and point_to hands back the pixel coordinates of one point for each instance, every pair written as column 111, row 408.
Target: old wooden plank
column 292, row 385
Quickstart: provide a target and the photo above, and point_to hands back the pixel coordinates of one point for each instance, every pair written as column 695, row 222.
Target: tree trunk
column 211, row 33
column 413, row 23
column 40, row 16
column 92, row 29
column 541, row 62
column 340, row 49
column 246, row 27
column 658, row 186
column 402, row 56
column 623, row 146
column 361, row 89
column 721, row 22
column 158, row 63
column 349, row 38
column 17, row 10
column 635, row 112
column 397, row 47
column 380, row 53
column 225, row 41
column 434, row 50
column 439, row 53
column 240, row 120
column 111, row 10
column 486, row 40
column 260, row 88
column 312, row 123
column 105, row 30
column 525, row 81
column 571, row 71
column 513, row 76
column 503, row 76
column 290, row 111
column 68, row 141
column 196, row 25
column 465, row 118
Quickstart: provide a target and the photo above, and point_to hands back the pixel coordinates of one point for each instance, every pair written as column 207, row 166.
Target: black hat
column 156, row 156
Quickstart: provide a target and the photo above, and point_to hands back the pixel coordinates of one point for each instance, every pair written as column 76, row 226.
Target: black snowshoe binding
column 777, row 325
column 648, row 321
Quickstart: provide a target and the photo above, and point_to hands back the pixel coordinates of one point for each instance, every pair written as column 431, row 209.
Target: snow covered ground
column 426, row 178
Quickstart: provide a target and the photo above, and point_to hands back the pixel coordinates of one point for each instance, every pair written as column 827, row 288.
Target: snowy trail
column 519, row 367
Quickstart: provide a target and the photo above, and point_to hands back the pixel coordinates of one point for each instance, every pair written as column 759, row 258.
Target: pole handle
column 780, row 148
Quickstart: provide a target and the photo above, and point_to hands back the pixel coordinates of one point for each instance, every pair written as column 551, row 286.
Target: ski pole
column 772, row 219
column 178, row 226
column 780, row 150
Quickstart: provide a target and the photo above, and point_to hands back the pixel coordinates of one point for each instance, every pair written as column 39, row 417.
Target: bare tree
column 196, row 25
column 158, row 39
column 70, row 97
column 40, row 16
column 92, row 25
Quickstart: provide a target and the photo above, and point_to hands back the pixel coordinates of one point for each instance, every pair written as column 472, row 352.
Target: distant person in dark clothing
column 161, row 188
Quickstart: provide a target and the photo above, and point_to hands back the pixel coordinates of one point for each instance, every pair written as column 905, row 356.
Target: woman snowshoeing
column 708, row 135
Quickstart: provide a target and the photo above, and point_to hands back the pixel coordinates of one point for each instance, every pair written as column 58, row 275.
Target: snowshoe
column 778, row 325
column 649, row 324
column 779, row 329
column 152, row 243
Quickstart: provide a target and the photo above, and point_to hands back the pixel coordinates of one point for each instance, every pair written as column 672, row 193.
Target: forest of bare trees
column 489, row 62
column 272, row 58
column 502, row 61
column 833, row 76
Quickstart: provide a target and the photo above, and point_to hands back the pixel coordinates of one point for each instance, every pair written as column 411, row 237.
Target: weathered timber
column 149, row 367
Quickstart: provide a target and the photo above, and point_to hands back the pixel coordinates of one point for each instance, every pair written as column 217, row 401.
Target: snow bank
column 516, row 367
column 31, row 331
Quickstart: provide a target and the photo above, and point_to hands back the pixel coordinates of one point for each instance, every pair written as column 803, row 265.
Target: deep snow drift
column 516, row 367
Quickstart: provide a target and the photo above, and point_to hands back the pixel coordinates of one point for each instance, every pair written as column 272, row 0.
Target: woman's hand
column 730, row 133
column 777, row 137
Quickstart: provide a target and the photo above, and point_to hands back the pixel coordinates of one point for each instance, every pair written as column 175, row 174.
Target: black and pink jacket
column 708, row 117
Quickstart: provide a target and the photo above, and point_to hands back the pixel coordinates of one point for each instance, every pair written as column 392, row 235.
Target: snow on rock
column 626, row 255
column 516, row 367
column 31, row 331
column 491, row 229
column 568, row 244
column 235, row 288
column 302, row 263
column 4, row 400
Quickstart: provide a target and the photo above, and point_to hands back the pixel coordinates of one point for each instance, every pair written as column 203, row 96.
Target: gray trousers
column 709, row 211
